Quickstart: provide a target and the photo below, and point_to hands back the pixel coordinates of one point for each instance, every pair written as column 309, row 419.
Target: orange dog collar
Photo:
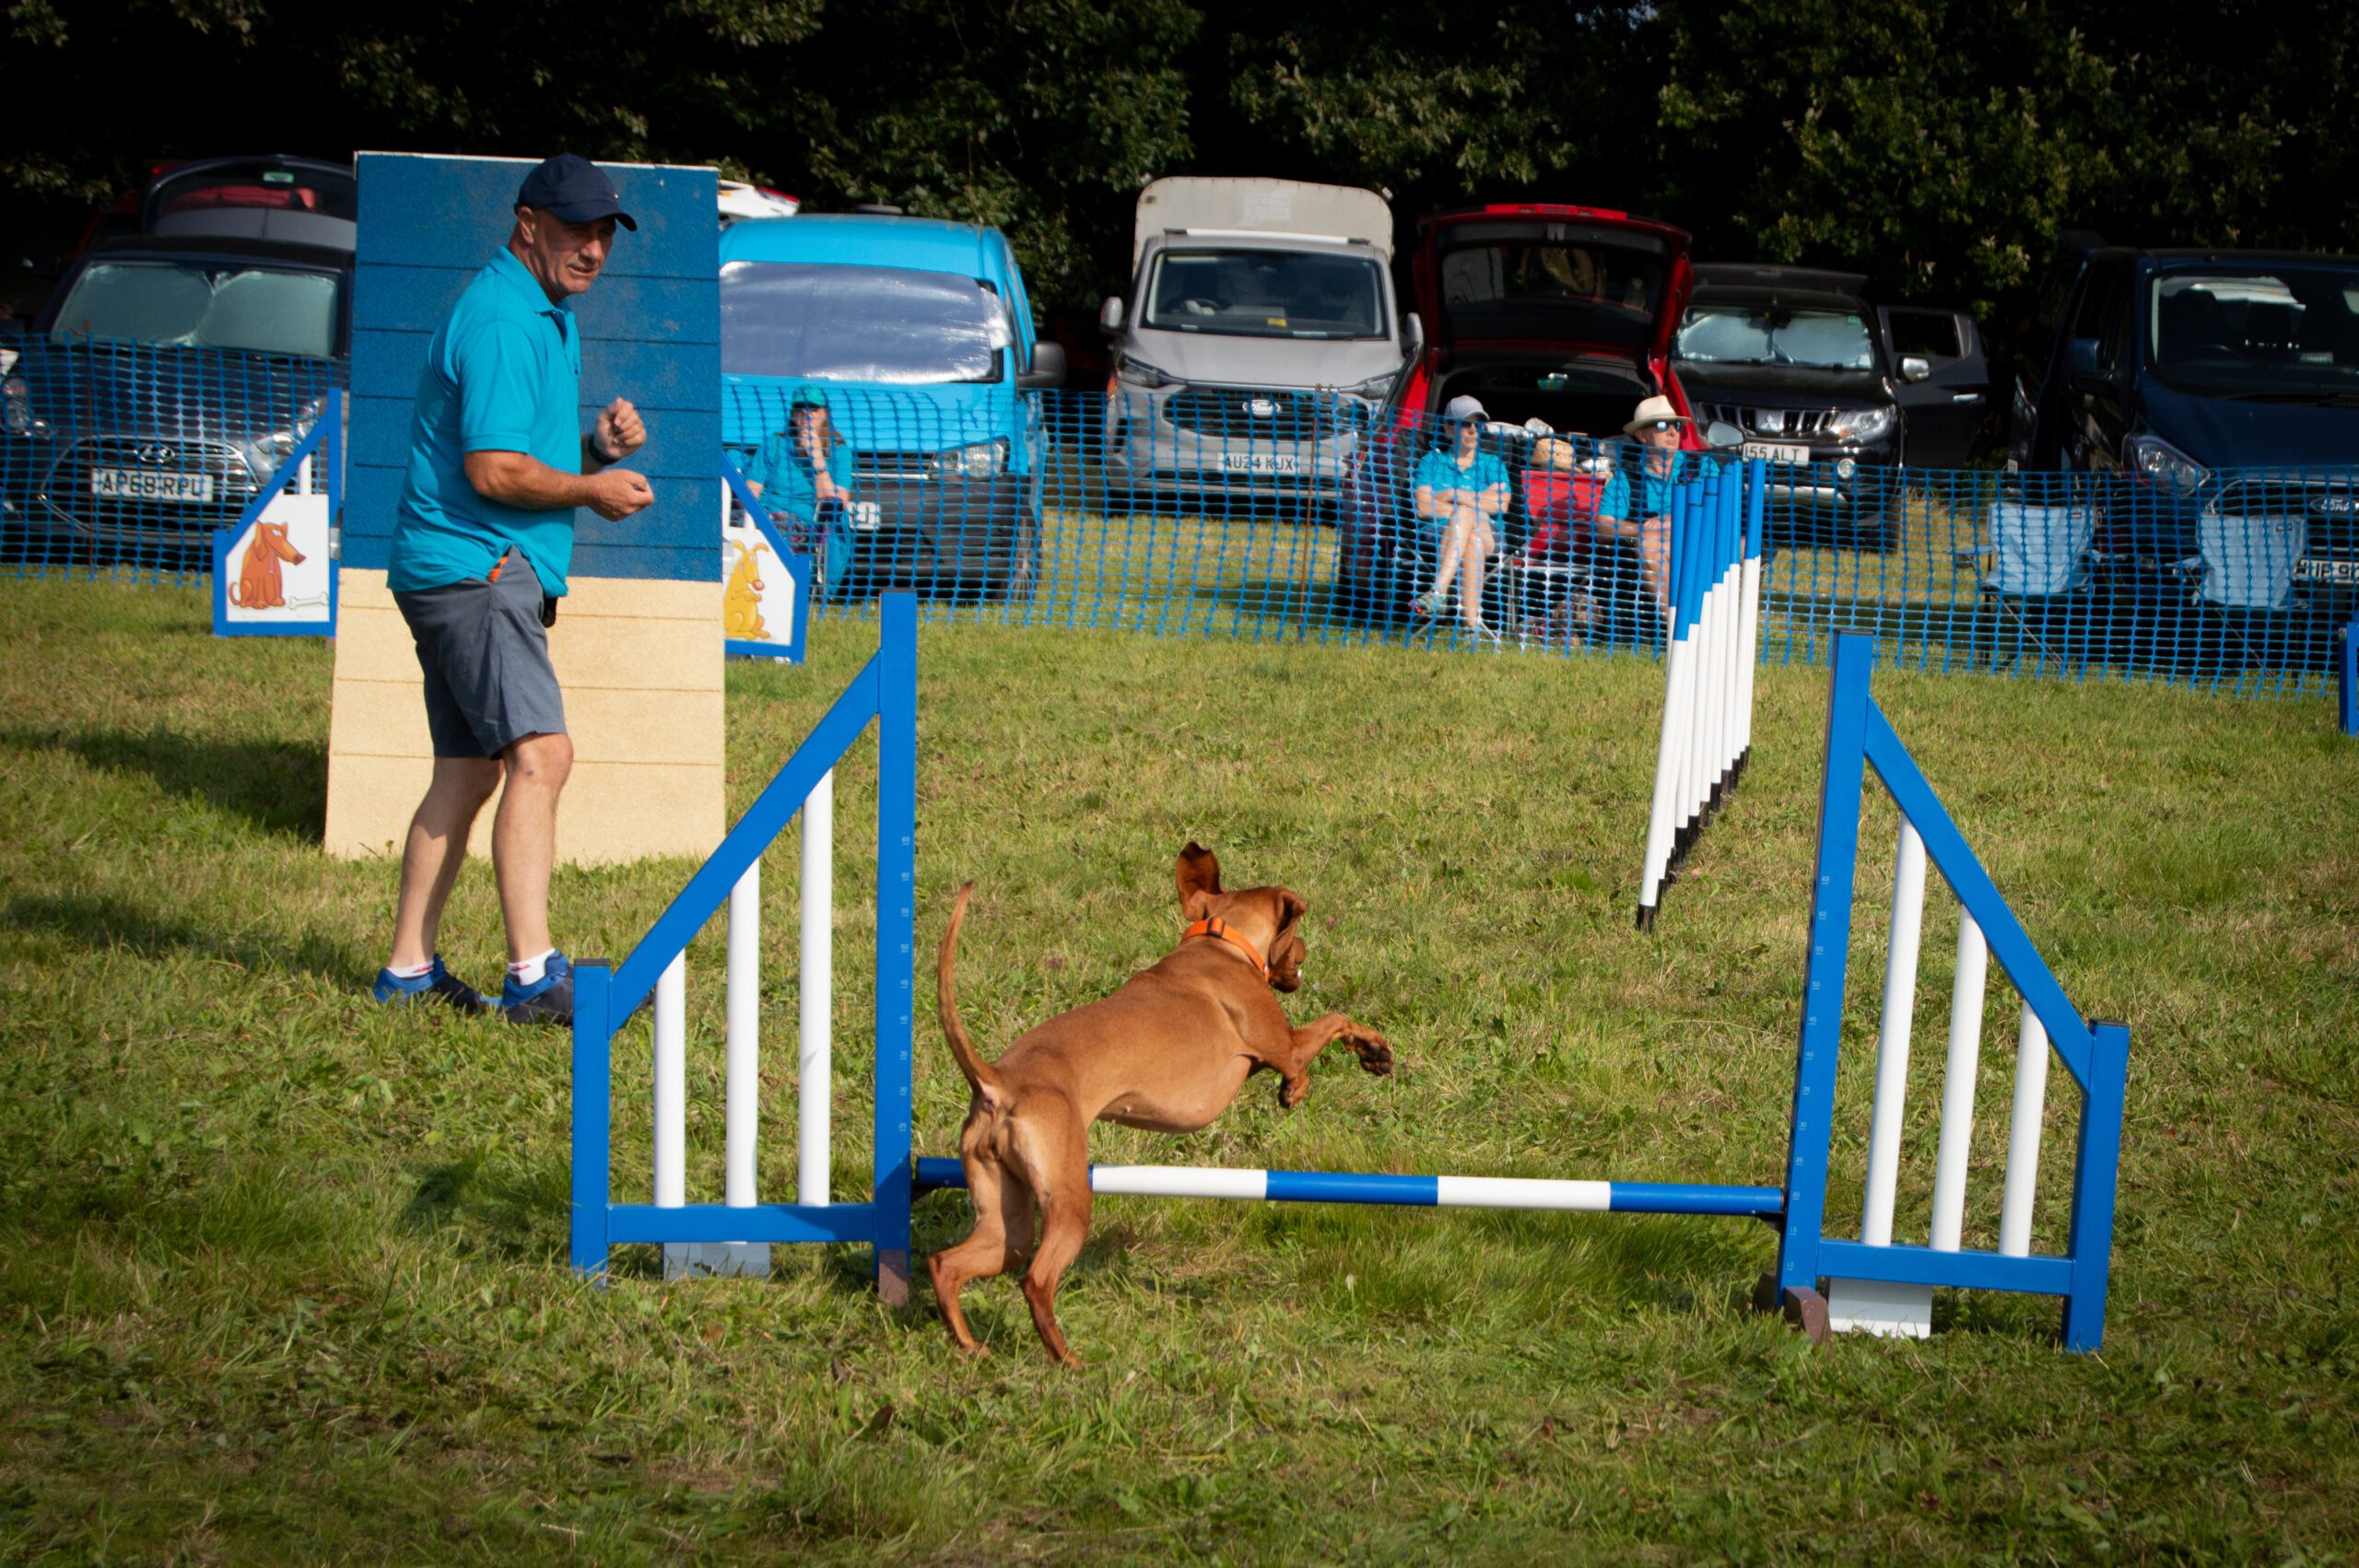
column 1213, row 926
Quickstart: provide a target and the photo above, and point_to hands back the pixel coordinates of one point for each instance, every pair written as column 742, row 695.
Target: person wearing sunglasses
column 1461, row 492
column 1636, row 505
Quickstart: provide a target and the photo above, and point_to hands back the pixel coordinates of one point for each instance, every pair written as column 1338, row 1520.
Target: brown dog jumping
column 1167, row 1052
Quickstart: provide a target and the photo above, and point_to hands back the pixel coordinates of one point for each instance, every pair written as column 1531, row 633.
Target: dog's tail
column 980, row 1076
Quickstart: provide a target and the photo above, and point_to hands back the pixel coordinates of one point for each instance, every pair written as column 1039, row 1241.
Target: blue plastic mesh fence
column 1272, row 513
column 121, row 458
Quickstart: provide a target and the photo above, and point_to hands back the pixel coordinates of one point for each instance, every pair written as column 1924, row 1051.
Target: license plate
column 150, row 484
column 1777, row 451
column 2312, row 569
column 1258, row 463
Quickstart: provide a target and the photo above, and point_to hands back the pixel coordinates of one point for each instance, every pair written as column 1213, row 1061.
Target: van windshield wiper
column 2349, row 399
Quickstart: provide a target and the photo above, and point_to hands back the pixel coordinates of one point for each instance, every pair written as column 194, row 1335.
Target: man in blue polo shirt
column 481, row 540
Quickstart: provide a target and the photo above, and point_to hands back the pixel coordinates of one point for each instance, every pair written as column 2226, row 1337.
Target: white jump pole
column 1880, row 1306
column 1958, row 1083
column 744, row 1036
column 815, row 1064
column 672, row 1084
column 2023, row 1137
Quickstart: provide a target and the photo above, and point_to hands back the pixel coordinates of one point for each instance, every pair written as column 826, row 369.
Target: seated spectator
column 807, row 465
column 1636, row 505
column 1560, row 500
column 1461, row 492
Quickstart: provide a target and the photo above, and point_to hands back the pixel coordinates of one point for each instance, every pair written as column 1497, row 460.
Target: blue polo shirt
column 503, row 374
column 1654, row 489
column 783, row 471
column 1437, row 470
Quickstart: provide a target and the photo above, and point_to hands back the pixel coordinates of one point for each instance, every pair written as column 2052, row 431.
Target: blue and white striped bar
column 1406, row 1191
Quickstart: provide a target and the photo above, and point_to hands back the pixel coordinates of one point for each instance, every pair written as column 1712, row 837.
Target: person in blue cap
column 805, row 470
column 482, row 536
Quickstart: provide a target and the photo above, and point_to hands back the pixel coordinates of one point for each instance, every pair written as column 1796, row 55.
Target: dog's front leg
column 1293, row 1065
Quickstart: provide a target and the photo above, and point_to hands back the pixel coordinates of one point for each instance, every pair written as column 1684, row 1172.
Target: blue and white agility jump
column 1715, row 631
column 1874, row 1283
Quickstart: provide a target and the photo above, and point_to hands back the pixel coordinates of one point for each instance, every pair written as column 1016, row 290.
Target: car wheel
column 1024, row 571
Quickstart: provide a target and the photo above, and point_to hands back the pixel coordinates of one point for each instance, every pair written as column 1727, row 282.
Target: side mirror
column 1109, row 315
column 1047, row 367
column 1413, row 336
column 2081, row 360
column 1722, row 436
column 1915, row 367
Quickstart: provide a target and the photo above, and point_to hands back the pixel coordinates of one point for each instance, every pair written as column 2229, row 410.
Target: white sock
column 410, row 971
column 530, row 971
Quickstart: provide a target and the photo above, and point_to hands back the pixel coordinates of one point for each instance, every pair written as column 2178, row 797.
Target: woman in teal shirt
column 1459, row 494
column 803, row 467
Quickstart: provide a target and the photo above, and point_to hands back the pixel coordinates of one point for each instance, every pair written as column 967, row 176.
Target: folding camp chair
column 2244, row 581
column 2036, row 576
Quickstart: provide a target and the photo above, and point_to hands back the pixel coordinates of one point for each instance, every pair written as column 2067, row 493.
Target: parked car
column 173, row 369
column 2219, row 390
column 1258, row 308
column 1562, row 314
column 1812, row 374
column 921, row 333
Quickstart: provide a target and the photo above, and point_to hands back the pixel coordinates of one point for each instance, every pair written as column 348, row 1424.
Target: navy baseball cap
column 573, row 188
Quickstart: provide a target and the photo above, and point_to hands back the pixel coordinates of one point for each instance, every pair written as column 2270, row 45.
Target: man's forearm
column 516, row 480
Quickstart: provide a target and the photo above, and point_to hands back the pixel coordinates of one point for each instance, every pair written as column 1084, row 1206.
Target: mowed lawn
column 283, row 1277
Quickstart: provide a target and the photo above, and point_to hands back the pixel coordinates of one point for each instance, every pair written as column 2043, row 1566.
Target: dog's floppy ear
column 1286, row 951
column 1199, row 878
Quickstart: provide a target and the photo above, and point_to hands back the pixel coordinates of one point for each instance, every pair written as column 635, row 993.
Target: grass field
column 282, row 1276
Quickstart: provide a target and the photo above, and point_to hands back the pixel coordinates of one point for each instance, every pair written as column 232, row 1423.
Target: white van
column 1263, row 326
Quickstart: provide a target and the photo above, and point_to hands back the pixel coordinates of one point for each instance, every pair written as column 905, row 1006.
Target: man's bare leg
column 436, row 848
column 523, row 838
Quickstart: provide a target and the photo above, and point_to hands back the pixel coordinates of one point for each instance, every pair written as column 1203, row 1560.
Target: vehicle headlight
column 17, row 409
column 1139, row 373
column 1859, row 424
column 279, row 445
column 978, row 461
column 2154, row 458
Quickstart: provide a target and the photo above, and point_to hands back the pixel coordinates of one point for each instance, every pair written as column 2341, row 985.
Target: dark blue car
column 2215, row 396
column 172, row 371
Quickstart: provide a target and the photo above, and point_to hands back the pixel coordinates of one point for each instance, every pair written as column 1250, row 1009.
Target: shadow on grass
column 102, row 923
column 510, row 1213
column 279, row 786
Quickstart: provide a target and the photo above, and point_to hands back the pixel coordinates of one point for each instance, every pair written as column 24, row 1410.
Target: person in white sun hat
column 1636, row 505
column 1461, row 492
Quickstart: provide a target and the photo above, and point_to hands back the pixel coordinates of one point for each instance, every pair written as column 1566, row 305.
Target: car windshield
column 1266, row 293
column 885, row 325
column 2281, row 332
column 1572, row 291
column 1755, row 334
column 192, row 304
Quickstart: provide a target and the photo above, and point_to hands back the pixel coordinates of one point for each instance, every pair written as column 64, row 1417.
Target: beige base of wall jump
column 640, row 662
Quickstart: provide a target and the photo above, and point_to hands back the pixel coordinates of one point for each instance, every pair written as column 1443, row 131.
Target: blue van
column 916, row 337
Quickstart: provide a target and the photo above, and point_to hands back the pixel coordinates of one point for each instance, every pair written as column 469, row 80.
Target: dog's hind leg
column 1052, row 1149
column 1292, row 1067
column 1001, row 1241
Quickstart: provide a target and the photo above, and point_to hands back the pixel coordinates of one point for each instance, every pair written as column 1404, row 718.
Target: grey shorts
column 486, row 658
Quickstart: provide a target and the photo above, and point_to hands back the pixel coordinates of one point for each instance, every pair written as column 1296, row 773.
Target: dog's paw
column 1291, row 1091
column 1375, row 1053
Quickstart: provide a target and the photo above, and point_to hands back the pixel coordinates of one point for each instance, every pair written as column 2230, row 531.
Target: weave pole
column 1714, row 627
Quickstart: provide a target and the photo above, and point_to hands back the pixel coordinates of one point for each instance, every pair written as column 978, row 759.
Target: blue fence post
column 896, row 814
column 592, row 1116
column 2096, row 1175
column 1830, row 942
column 2349, row 663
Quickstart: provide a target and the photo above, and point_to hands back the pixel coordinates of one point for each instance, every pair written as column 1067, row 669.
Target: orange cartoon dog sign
column 765, row 586
column 274, row 575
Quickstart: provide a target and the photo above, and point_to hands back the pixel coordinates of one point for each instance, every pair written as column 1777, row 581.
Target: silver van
column 1262, row 329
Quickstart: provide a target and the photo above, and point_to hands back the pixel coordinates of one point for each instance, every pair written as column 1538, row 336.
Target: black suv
column 1835, row 392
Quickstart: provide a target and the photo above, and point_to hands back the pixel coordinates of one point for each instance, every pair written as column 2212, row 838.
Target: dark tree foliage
column 1939, row 144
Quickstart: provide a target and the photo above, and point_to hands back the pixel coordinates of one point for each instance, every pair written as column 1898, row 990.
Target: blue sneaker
column 437, row 982
column 548, row 1000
